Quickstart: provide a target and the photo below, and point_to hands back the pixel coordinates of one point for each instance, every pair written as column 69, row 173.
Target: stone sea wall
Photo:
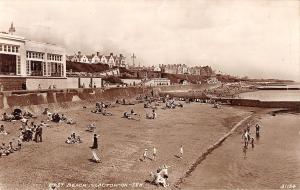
column 69, row 97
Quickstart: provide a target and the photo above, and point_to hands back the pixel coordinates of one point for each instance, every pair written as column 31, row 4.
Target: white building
column 23, row 57
column 157, row 82
column 95, row 58
column 132, row 82
column 111, row 60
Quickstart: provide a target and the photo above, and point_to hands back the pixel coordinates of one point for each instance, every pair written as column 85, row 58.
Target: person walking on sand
column 95, row 142
column 154, row 153
column 145, row 155
column 181, row 152
column 94, row 148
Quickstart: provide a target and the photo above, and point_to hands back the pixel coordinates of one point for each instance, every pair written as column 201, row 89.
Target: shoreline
column 209, row 150
column 270, row 164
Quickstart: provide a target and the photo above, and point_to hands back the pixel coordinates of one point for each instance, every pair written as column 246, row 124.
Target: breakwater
column 235, row 101
column 261, row 104
column 209, row 150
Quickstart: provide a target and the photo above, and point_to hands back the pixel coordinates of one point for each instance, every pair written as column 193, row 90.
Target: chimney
column 79, row 52
column 98, row 53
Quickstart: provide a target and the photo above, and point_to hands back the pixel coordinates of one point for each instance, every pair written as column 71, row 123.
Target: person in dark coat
column 95, row 143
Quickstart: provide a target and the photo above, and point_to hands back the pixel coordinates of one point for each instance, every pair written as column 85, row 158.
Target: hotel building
column 25, row 58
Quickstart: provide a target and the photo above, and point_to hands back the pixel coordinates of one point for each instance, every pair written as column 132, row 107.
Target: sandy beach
column 195, row 126
column 273, row 163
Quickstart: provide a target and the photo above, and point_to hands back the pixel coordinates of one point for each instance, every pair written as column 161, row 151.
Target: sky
column 254, row 38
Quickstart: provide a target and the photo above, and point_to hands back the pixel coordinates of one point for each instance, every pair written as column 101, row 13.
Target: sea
column 274, row 95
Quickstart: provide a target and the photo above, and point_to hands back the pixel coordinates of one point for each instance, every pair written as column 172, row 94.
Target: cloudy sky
column 256, row 38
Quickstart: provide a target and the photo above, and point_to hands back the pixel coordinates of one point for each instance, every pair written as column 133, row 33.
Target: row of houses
column 184, row 69
column 111, row 59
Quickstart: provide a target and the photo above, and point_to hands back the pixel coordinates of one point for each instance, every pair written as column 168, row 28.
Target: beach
column 121, row 144
column 273, row 163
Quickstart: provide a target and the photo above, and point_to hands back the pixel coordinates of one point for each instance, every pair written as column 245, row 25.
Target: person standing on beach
column 95, row 142
column 181, row 152
column 94, row 148
column 257, row 127
column 245, row 137
column 38, row 134
column 145, row 155
column 154, row 153
column 252, row 142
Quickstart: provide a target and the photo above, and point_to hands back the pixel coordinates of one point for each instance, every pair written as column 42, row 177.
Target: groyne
column 236, row 101
column 209, row 150
column 260, row 104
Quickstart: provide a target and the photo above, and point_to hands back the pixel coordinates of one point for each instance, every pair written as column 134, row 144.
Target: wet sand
column 122, row 141
column 272, row 163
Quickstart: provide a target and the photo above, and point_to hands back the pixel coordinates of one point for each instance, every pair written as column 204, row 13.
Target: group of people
column 160, row 176
column 91, row 127
column 32, row 132
column 72, row 139
column 171, row 104
column 145, row 155
column 217, row 105
column 101, row 109
column 56, row 117
column 27, row 133
column 130, row 115
column 248, row 138
column 5, row 150
column 153, row 115
column 17, row 115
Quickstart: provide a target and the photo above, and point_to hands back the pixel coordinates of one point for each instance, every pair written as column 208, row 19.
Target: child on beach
column 145, row 155
column 154, row 153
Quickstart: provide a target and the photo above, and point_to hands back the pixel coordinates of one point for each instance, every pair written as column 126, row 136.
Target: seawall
column 74, row 98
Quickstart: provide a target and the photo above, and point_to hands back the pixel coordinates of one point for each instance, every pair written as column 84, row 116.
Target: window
column 44, row 69
column 62, row 70
column 13, row 49
column 28, row 69
column 18, row 65
column 49, row 68
column 17, row 49
column 0, row 47
column 5, row 48
column 9, row 48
